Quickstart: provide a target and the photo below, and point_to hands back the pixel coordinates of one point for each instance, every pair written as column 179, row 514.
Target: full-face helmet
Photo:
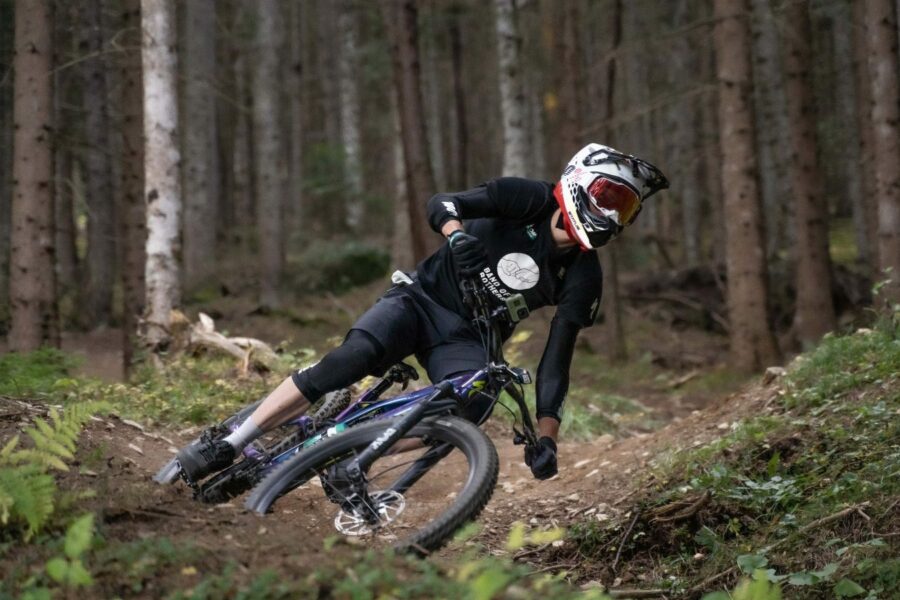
column 602, row 190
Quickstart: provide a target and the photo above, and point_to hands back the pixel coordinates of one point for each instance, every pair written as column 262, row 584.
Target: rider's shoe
column 206, row 456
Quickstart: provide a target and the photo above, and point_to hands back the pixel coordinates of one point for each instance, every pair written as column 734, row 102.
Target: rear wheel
column 436, row 478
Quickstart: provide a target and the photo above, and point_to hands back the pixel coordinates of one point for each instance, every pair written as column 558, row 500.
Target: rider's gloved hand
column 542, row 458
column 468, row 252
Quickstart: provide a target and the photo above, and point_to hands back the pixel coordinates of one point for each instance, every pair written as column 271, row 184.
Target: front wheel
column 433, row 480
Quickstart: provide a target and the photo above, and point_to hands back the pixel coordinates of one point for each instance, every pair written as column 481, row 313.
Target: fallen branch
column 249, row 351
column 637, row 514
column 682, row 510
column 622, row 593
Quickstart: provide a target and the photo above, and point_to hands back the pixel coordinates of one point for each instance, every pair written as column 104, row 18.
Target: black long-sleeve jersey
column 512, row 218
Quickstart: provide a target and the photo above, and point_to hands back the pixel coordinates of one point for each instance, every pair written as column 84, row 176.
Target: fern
column 27, row 489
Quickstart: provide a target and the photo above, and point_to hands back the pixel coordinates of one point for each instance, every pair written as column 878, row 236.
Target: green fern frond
column 32, row 496
column 36, row 456
column 48, row 443
column 9, row 447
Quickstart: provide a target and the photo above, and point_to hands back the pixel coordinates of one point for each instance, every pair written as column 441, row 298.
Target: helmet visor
column 610, row 195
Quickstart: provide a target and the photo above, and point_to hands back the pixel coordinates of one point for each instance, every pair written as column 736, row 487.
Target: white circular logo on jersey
column 518, row 271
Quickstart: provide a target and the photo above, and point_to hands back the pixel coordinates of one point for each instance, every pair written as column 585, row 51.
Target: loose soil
column 597, row 480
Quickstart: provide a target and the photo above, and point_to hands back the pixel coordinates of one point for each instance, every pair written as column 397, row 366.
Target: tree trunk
column 162, row 184
column 132, row 213
column 100, row 263
column 752, row 343
column 848, row 108
column 609, row 256
column 64, row 217
column 295, row 167
column 865, row 162
column 32, row 277
column 7, row 21
column 401, row 19
column 199, row 143
column 770, row 114
column 401, row 247
column 269, row 158
column 881, row 31
column 512, row 93
column 459, row 103
column 814, row 312
column 348, row 75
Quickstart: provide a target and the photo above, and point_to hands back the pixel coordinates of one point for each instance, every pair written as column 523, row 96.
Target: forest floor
column 673, row 403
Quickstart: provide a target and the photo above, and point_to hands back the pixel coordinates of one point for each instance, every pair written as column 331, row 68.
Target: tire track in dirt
column 597, row 480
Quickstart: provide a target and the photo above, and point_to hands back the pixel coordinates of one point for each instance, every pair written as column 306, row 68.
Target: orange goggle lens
column 613, row 195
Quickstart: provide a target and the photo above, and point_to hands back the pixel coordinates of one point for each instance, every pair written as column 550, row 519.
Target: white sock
column 243, row 435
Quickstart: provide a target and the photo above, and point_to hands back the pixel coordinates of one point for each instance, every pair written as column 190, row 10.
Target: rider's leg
column 359, row 355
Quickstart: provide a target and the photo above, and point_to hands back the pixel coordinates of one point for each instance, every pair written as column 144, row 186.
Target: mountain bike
column 331, row 415
column 411, row 480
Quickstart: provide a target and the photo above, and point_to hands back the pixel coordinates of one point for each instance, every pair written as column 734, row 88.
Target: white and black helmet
column 602, row 190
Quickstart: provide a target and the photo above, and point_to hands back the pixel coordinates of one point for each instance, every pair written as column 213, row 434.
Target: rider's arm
column 577, row 307
column 508, row 197
column 553, row 371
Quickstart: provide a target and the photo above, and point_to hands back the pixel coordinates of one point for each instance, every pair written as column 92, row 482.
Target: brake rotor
column 389, row 504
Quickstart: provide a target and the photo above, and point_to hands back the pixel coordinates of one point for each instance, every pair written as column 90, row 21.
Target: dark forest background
column 309, row 135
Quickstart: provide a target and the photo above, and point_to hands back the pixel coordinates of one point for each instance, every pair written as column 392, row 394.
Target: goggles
column 606, row 195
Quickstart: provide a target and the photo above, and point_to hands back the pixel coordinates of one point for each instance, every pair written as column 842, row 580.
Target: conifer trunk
column 32, row 276
column 814, row 313
column 132, row 213
column 100, row 263
column 881, row 31
column 752, row 343
column 401, row 19
column 199, row 142
column 269, row 158
column 512, row 93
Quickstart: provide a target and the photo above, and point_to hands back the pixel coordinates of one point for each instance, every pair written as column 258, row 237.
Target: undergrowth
column 805, row 494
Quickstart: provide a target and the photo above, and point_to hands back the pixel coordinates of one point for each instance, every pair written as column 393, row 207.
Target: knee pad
column 345, row 365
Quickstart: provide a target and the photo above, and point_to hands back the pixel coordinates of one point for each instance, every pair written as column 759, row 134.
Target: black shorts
column 406, row 321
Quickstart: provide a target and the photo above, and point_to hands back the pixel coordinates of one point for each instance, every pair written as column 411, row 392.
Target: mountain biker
column 522, row 236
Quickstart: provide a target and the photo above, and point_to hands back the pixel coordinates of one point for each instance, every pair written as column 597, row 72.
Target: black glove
column 468, row 253
column 542, row 458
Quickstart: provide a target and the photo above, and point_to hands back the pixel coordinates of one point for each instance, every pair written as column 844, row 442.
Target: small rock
column 582, row 463
column 699, row 556
column 558, row 543
column 134, row 424
column 592, row 585
column 773, row 373
column 722, row 426
column 136, row 449
column 592, row 473
column 573, row 497
column 605, row 440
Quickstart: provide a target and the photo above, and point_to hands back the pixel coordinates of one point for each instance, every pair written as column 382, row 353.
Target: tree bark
column 32, row 277
column 199, row 146
column 881, row 31
column 865, row 162
column 752, row 343
column 401, row 19
column 295, row 167
column 609, row 256
column 348, row 74
column 64, row 217
column 814, row 312
column 459, row 102
column 512, row 92
column 162, row 183
column 100, row 263
column 269, row 158
column 7, row 21
column 770, row 114
column 132, row 213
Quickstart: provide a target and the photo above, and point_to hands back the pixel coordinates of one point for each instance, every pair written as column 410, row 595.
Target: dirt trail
column 596, row 480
